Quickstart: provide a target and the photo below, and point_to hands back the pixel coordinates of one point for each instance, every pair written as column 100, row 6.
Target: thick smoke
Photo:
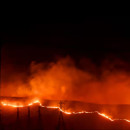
column 63, row 80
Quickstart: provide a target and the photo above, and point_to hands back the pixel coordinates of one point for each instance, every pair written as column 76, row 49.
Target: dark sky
column 94, row 37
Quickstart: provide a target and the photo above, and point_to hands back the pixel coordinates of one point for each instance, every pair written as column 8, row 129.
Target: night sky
column 94, row 37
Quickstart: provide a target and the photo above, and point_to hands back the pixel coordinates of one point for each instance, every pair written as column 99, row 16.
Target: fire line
column 65, row 112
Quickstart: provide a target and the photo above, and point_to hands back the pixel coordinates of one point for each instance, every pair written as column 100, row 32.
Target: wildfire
column 65, row 112
column 12, row 105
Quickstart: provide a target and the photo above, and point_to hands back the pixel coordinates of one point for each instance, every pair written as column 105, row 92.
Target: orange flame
column 65, row 112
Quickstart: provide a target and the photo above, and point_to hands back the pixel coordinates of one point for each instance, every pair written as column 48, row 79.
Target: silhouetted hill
column 48, row 119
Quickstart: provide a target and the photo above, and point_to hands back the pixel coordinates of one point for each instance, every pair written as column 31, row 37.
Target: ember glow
column 65, row 112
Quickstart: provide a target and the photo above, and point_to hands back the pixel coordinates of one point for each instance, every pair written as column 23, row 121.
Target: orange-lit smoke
column 62, row 80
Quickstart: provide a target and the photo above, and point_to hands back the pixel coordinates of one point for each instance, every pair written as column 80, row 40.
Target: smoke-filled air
column 65, row 80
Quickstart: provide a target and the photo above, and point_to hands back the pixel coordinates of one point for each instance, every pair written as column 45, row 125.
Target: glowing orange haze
column 64, row 81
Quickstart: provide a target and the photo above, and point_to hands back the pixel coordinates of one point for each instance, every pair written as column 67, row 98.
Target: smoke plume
column 64, row 80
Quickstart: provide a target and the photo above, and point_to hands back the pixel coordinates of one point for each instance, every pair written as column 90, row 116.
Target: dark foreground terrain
column 48, row 119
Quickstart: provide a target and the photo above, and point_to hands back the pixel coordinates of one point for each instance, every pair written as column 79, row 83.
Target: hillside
column 48, row 118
